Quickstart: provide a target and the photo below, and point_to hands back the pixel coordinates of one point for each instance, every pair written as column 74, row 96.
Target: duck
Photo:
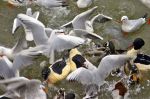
column 23, row 88
column 60, row 69
column 28, row 32
column 84, row 3
column 132, row 25
column 98, row 76
column 50, row 44
column 120, row 91
column 61, row 94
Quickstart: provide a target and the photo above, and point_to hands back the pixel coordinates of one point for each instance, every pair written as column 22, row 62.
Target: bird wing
column 25, row 58
column 13, row 83
column 67, row 25
column 48, row 31
column 89, row 65
column 79, row 21
column 20, row 45
column 110, row 62
column 100, row 18
column 62, row 42
column 80, row 33
column 29, row 12
column 6, row 68
column 16, row 24
column 81, row 75
column 37, row 28
column 34, row 88
column 36, row 14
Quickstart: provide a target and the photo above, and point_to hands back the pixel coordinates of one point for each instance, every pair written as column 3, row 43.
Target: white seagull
column 28, row 32
column 97, row 76
column 82, row 24
column 21, row 60
column 53, row 43
column 23, row 88
column 132, row 25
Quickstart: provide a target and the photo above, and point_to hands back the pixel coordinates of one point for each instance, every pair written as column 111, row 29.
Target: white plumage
column 131, row 25
column 97, row 76
column 23, row 88
column 53, row 43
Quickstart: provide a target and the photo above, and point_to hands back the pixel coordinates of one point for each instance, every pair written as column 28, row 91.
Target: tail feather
column 145, row 15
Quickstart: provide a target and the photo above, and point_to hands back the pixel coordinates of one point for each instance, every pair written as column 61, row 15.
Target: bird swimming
column 132, row 25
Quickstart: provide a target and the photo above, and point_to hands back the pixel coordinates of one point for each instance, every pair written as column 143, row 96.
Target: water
column 54, row 18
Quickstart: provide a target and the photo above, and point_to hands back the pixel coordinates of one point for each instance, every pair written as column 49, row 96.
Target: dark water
column 56, row 17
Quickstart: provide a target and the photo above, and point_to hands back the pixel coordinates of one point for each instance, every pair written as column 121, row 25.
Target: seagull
column 97, row 76
column 57, row 40
column 21, row 60
column 28, row 32
column 81, row 21
column 84, row 3
column 51, row 3
column 82, row 26
column 11, row 52
column 23, row 88
column 132, row 25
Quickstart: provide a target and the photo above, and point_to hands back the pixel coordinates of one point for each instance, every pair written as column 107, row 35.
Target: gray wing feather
column 62, row 42
column 20, row 45
column 81, row 75
column 84, row 33
column 25, row 58
column 6, row 68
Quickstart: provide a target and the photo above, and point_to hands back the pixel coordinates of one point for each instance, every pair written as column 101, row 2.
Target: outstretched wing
column 63, row 42
column 81, row 75
column 25, row 58
column 84, row 33
column 37, row 28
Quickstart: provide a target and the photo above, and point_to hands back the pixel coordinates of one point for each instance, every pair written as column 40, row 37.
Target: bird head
column 138, row 43
column 124, row 18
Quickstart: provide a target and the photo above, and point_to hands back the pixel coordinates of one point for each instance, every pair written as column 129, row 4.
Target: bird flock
column 72, row 65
